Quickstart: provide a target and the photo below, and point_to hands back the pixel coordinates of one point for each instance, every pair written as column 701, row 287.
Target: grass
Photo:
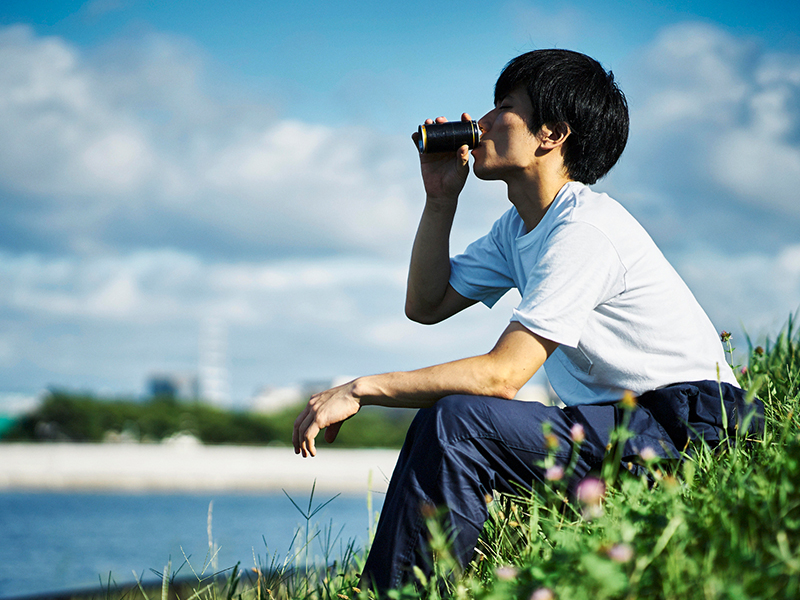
column 725, row 524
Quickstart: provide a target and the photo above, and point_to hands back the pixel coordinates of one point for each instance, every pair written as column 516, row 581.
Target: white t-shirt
column 592, row 280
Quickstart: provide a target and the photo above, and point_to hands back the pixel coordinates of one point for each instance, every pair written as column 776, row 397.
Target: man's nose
column 483, row 123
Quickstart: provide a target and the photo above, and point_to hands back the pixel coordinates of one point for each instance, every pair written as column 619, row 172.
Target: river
column 61, row 541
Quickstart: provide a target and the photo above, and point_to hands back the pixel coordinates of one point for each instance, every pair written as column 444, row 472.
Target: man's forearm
column 422, row 388
column 429, row 270
column 500, row 373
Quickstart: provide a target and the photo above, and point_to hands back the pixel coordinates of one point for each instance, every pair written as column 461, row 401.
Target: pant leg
column 455, row 454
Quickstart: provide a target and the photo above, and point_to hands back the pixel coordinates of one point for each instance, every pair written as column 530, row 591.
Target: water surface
column 53, row 542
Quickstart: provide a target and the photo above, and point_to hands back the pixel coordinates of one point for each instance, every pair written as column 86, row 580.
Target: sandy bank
column 189, row 467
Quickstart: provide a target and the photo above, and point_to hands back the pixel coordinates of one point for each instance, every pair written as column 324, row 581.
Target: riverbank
column 189, row 467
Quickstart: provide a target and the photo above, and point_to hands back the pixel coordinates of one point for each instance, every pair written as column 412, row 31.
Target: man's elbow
column 419, row 315
column 506, row 392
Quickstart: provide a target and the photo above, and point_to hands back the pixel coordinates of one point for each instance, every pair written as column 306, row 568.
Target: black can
column 448, row 137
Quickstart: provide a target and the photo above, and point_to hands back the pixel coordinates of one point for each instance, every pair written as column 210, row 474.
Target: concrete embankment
column 189, row 467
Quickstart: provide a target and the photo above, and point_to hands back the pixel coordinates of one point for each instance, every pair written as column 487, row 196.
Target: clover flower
column 591, row 491
column 590, row 494
column 620, row 553
column 506, row 573
column 543, row 593
column 554, row 473
column 577, row 433
column 647, row 454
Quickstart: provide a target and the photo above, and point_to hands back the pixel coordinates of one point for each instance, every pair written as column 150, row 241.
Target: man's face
column 507, row 148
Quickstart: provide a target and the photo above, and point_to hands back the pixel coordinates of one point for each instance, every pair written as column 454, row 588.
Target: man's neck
column 532, row 197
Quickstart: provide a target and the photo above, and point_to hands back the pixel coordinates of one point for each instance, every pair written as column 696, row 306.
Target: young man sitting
column 601, row 309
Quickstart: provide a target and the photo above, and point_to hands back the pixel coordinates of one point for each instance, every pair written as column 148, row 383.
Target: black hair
column 570, row 87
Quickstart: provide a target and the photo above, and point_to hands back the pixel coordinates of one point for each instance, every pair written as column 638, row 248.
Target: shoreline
column 134, row 467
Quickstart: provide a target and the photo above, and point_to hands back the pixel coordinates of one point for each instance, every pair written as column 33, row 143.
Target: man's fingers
column 308, row 440
column 331, row 431
column 296, row 430
column 308, row 431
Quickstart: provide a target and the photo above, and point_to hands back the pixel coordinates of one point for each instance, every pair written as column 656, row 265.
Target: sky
column 170, row 169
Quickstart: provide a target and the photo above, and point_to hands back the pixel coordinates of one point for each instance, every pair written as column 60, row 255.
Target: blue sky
column 167, row 165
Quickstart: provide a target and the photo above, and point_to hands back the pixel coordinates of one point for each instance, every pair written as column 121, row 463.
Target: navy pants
column 462, row 448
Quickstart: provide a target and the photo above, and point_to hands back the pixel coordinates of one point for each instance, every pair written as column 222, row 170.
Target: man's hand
column 326, row 410
column 444, row 173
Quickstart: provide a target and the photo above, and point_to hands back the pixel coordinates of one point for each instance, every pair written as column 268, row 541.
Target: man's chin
column 483, row 173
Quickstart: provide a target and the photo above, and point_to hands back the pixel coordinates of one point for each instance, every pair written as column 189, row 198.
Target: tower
column 213, row 367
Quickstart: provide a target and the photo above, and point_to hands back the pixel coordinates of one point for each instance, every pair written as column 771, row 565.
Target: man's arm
column 429, row 296
column 500, row 373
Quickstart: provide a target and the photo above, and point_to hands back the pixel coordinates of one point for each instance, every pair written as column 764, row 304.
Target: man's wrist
column 362, row 391
column 441, row 203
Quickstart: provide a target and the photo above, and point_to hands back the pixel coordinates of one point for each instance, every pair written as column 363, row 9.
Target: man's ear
column 553, row 135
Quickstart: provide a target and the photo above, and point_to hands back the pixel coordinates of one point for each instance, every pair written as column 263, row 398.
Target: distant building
column 175, row 385
column 273, row 399
column 270, row 400
column 215, row 386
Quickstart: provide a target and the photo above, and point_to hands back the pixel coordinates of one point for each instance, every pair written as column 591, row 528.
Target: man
column 601, row 309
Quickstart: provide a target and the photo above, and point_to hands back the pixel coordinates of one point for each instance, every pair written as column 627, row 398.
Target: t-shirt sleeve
column 577, row 271
column 481, row 272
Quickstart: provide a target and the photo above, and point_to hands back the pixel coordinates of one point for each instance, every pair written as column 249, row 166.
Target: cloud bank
column 139, row 200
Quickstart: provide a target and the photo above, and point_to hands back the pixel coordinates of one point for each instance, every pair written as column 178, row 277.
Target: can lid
column 422, row 139
column 476, row 133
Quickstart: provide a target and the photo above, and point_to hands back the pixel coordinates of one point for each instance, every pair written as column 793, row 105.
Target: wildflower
column 628, row 399
column 428, row 510
column 620, row 553
column 551, row 441
column 744, row 371
column 577, row 433
column 591, row 491
column 343, row 597
column 671, row 483
column 590, row 494
column 506, row 573
column 554, row 473
column 543, row 593
column 647, row 454
column 724, row 336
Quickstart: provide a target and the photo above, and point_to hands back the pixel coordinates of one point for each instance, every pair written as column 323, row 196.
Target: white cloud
column 166, row 285
column 719, row 111
column 61, row 136
column 97, row 139
column 693, row 72
column 756, row 290
column 760, row 159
